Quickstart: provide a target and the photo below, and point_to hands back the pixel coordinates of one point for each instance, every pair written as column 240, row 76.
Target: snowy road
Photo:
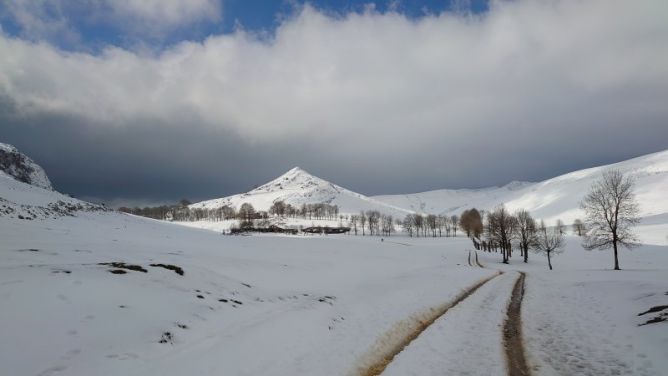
column 467, row 340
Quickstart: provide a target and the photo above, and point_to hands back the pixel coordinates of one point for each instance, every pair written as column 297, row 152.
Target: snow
column 297, row 187
column 314, row 305
column 582, row 318
column 465, row 340
column 556, row 198
column 35, row 175
column 74, row 322
column 21, row 200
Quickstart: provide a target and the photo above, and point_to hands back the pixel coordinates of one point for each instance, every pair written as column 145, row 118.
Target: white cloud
column 167, row 12
column 52, row 20
column 524, row 72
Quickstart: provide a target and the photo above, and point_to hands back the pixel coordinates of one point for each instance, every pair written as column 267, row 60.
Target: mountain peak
column 296, row 171
column 20, row 167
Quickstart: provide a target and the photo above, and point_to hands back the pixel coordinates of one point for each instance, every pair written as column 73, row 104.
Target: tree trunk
column 549, row 262
column 526, row 254
column 614, row 246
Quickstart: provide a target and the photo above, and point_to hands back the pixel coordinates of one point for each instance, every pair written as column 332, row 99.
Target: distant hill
column 297, row 187
column 552, row 199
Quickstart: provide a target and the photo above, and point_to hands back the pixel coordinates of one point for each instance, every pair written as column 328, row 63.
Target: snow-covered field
column 307, row 305
column 323, row 305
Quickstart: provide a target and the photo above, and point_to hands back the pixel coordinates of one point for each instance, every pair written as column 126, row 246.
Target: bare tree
column 387, row 224
column 611, row 211
column 454, row 220
column 362, row 220
column 353, row 222
column 549, row 243
column 246, row 215
column 418, row 222
column 560, row 226
column 440, row 223
column 408, row 224
column 501, row 227
column 373, row 220
column 578, row 227
column 526, row 232
column 432, row 224
column 278, row 208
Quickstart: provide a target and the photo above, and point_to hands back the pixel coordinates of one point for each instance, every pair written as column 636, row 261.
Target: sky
column 150, row 101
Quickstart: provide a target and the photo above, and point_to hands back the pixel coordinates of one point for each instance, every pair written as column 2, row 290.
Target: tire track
column 476, row 260
column 380, row 359
column 512, row 332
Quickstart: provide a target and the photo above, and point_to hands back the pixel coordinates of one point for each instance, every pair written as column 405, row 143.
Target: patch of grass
column 166, row 338
column 122, row 265
column 176, row 269
column 654, row 309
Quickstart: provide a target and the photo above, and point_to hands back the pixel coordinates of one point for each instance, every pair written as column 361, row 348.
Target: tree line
column 184, row 213
column 430, row 225
column 372, row 220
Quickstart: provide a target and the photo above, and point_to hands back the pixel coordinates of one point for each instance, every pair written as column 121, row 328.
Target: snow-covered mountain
column 453, row 201
column 26, row 192
column 297, row 187
column 552, row 199
column 22, row 168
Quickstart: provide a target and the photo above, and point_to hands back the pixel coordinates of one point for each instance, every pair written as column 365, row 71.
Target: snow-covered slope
column 297, row 187
column 22, row 168
column 453, row 201
column 556, row 198
column 26, row 192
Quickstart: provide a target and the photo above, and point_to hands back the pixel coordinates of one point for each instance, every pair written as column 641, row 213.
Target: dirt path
column 512, row 332
column 381, row 361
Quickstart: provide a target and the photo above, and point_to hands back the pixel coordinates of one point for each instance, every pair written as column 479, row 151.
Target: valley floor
column 316, row 305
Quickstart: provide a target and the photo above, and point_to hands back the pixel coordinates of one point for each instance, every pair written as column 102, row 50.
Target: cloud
column 526, row 90
column 171, row 12
column 40, row 20
column 57, row 21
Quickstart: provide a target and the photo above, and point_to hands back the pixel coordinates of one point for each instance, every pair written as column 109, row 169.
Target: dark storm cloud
column 145, row 162
column 375, row 102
